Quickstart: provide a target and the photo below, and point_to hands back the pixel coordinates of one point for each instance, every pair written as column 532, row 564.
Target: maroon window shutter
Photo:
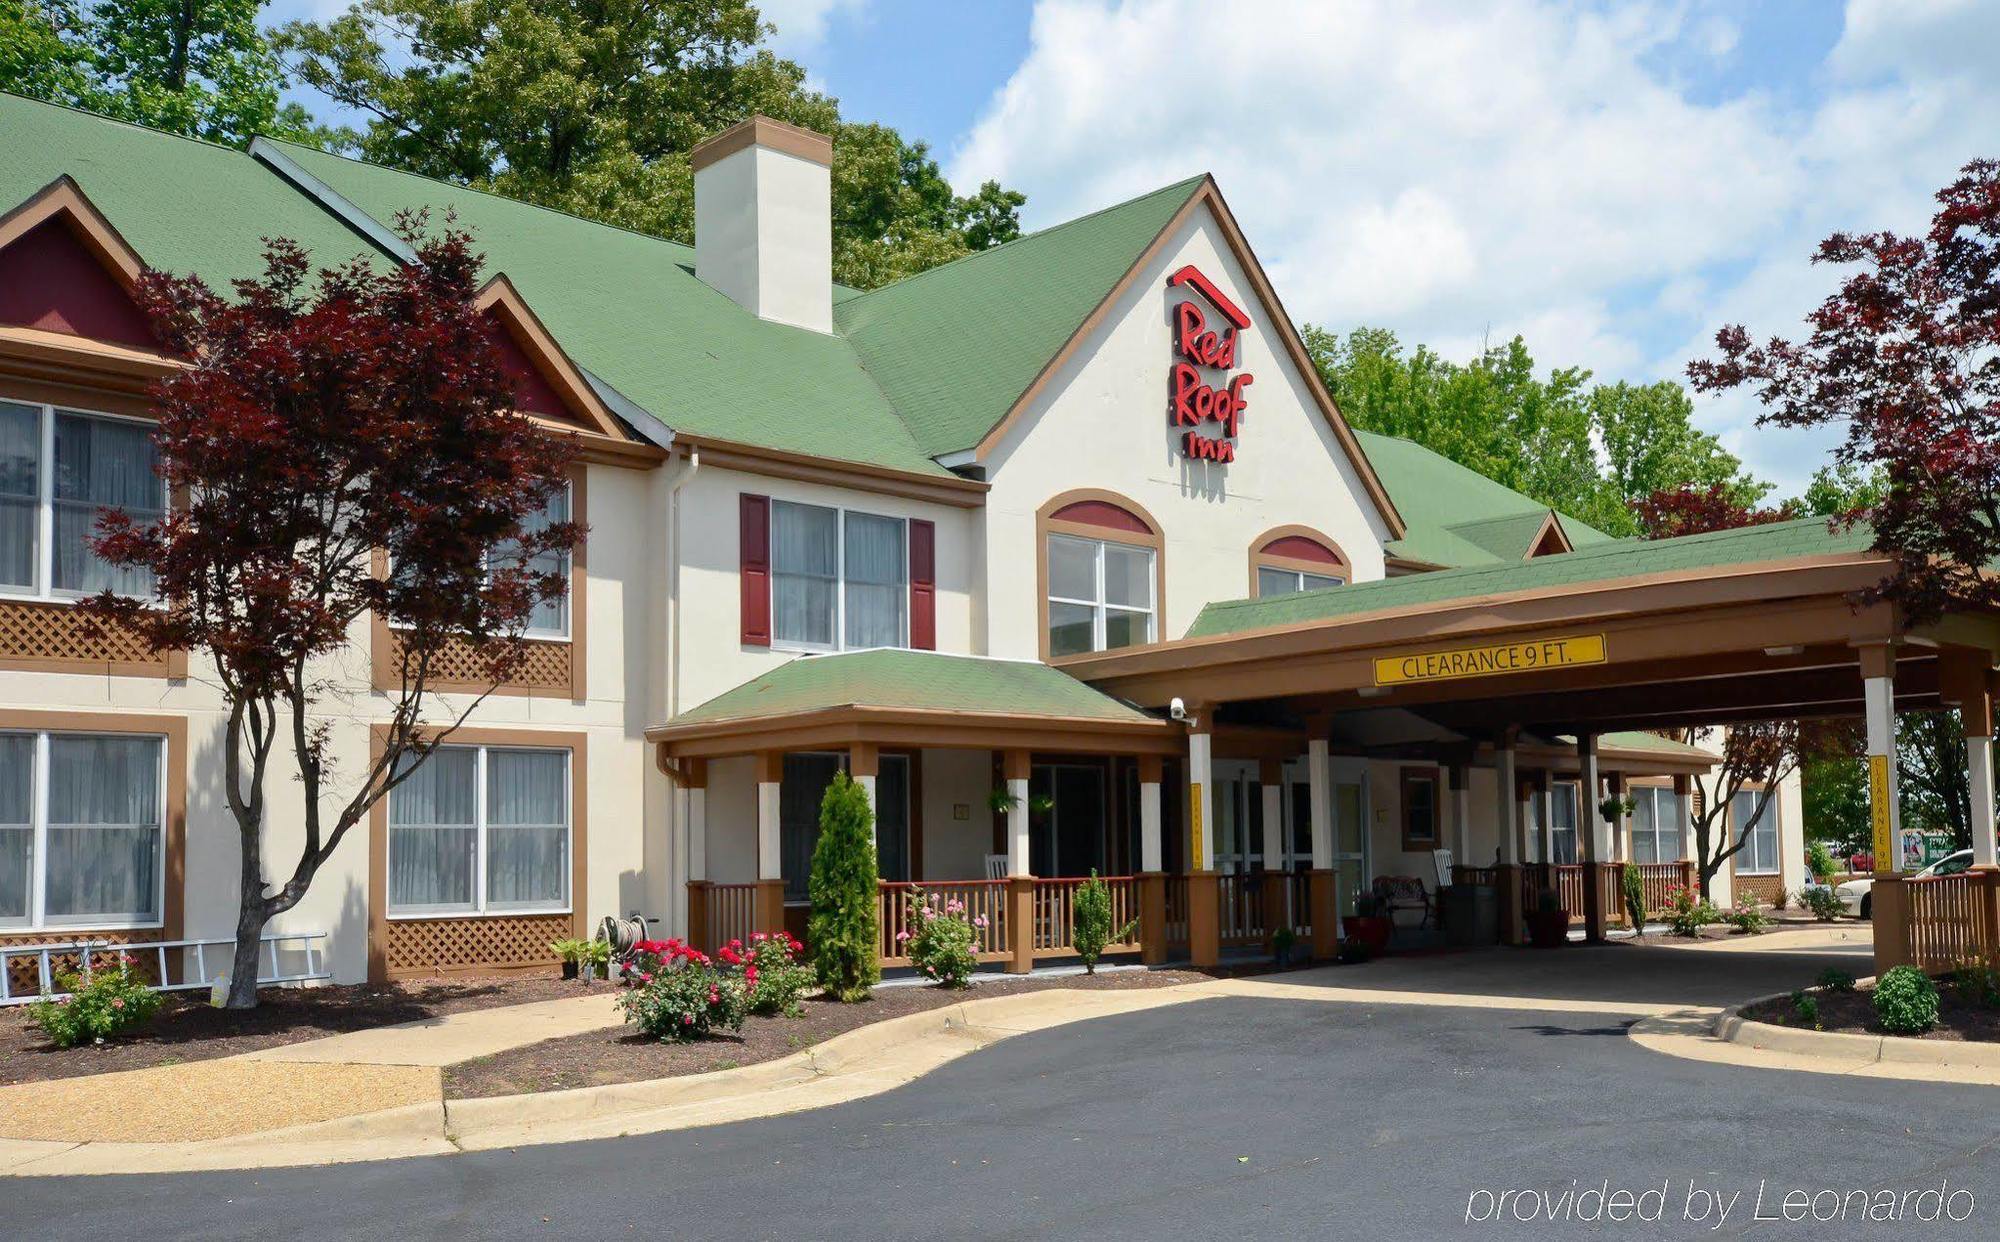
column 755, row 557
column 923, row 585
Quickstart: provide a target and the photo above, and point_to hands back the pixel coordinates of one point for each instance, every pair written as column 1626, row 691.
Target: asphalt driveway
column 1223, row 1118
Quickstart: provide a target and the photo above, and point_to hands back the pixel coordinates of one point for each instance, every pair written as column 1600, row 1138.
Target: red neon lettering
column 1203, row 448
column 1200, row 346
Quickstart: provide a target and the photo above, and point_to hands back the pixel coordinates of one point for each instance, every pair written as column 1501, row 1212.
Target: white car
column 1855, row 894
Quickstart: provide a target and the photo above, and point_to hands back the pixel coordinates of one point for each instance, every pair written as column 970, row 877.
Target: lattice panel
column 443, row 946
column 1764, row 888
column 58, row 634
column 545, row 667
column 24, row 973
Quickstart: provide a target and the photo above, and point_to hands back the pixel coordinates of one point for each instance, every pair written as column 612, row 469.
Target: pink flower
column 118, row 1002
column 902, row 936
column 979, row 920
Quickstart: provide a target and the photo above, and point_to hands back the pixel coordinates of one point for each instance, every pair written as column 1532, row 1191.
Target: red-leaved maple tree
column 328, row 424
column 1906, row 355
column 1693, row 510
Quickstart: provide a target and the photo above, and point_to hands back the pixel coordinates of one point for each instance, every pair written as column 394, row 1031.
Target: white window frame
column 44, row 590
column 1666, row 830
column 1749, row 846
column 1298, row 577
column 840, row 513
column 1099, row 608
column 481, row 908
column 569, row 580
column 38, row 857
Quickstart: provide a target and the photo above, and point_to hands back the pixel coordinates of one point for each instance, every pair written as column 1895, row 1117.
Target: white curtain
column 101, row 463
column 104, row 828
column 434, row 831
column 876, row 587
column 17, row 829
column 1760, row 854
column 805, row 569
column 1645, row 827
column 1562, row 823
column 20, row 492
column 527, row 833
column 551, row 616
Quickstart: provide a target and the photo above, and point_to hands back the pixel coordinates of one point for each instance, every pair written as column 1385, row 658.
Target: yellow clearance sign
column 1446, row 664
column 1878, row 813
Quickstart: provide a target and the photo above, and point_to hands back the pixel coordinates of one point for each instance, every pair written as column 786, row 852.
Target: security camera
column 1177, row 709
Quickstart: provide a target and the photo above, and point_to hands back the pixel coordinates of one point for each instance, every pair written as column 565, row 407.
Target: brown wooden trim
column 64, row 198
column 762, row 131
column 1277, row 321
column 1416, row 776
column 500, row 297
column 1046, row 524
column 946, row 489
column 1550, row 531
column 173, row 832
column 577, row 742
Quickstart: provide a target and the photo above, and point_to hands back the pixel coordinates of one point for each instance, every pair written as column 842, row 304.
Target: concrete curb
column 1846, row 1048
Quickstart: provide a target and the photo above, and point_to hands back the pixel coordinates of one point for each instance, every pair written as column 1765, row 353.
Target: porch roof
column 895, row 696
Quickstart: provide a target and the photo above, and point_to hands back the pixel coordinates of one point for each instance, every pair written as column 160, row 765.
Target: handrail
column 312, row 944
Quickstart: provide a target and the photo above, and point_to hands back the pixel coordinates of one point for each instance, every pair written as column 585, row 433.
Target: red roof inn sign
column 1191, row 400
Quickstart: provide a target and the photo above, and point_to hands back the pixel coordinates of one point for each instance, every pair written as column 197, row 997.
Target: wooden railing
column 1177, row 910
column 983, row 900
column 1298, row 888
column 732, row 914
column 1946, row 925
column 1241, row 901
column 1661, row 880
column 1055, row 914
column 1475, row 877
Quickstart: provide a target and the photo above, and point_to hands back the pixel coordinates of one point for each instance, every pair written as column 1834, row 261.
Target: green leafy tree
column 199, row 69
column 592, row 106
column 1092, row 919
column 845, row 921
column 1833, row 796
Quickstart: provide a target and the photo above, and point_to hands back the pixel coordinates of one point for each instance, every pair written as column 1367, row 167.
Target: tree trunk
column 251, row 914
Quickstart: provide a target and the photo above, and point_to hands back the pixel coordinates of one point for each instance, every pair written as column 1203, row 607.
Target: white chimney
column 763, row 220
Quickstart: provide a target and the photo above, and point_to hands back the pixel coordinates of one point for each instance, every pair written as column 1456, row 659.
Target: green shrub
column 1688, row 911
column 1093, row 929
column 1834, row 979
column 1819, row 861
column 1823, row 903
column 1746, row 916
column 688, row 998
column 941, row 944
column 774, row 979
column 109, row 1002
column 1805, row 1010
column 1976, row 985
column 1906, row 1001
column 844, row 923
column 1632, row 886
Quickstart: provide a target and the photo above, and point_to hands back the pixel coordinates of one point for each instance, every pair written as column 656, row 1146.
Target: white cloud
column 1457, row 171
column 802, row 24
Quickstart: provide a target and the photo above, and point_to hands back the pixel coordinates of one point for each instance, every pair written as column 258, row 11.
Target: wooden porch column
column 1461, row 813
column 1152, row 881
column 1889, row 899
column 864, row 763
column 1621, row 824
column 1594, row 841
column 1968, row 676
column 1506, row 812
column 770, row 856
column 1016, row 766
column 693, row 799
column 1545, row 791
column 1277, row 892
column 1689, row 873
column 1204, row 886
column 1323, row 884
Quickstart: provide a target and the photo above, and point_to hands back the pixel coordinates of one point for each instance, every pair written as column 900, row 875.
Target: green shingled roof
column 1599, row 562
column 956, row 346
column 1457, row 516
column 628, row 308
column 1639, row 740
column 913, row 679
column 185, row 206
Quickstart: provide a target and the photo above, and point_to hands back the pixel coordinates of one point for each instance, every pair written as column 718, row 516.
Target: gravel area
column 204, row 1101
column 187, row 1029
column 1854, row 1013
column 620, row 1054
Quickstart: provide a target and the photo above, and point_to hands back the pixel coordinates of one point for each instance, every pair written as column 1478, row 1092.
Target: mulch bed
column 620, row 1054
column 1853, row 1013
column 187, row 1029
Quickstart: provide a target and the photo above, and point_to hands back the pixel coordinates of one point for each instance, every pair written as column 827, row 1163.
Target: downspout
column 674, row 580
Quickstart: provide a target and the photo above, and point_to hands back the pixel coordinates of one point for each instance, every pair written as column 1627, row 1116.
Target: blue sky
column 1611, row 181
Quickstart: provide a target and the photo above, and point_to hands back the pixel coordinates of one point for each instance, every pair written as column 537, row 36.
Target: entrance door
column 1350, row 831
column 1239, row 817
column 1068, row 839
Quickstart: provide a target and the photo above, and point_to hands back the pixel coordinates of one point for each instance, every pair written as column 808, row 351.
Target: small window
column 1759, row 855
column 839, row 578
column 1293, row 559
column 58, row 469
column 80, row 829
column 1656, row 829
column 478, row 829
column 1290, row 581
column 1101, row 595
column 1420, row 809
column 1562, row 821
column 550, row 618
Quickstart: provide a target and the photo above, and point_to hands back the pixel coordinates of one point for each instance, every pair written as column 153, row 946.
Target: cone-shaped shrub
column 1092, row 918
column 843, row 928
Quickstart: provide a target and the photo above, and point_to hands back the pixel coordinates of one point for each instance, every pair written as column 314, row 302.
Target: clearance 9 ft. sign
column 1202, row 350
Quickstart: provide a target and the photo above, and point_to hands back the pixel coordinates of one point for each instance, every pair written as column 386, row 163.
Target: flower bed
column 1967, row 1009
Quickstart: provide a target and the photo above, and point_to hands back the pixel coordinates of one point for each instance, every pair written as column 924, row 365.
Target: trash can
column 1471, row 915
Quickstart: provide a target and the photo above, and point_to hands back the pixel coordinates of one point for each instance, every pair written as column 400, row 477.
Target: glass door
column 1239, row 817
column 1350, row 830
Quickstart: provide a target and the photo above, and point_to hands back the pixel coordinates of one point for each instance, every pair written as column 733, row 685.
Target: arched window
column 1102, row 573
column 1295, row 558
